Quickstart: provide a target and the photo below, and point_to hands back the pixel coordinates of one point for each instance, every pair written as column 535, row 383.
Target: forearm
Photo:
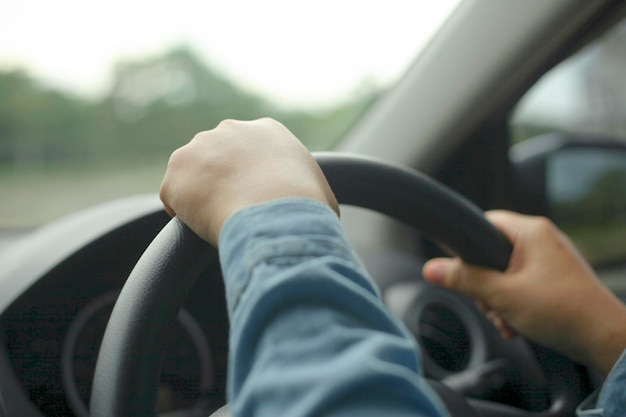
column 606, row 335
column 309, row 334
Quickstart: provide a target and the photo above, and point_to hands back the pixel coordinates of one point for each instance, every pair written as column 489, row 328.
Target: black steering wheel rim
column 128, row 364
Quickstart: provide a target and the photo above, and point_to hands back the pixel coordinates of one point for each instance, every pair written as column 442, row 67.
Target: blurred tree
column 154, row 106
column 37, row 124
column 157, row 104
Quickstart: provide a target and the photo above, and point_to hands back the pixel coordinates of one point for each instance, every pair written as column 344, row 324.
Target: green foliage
column 38, row 125
column 154, row 106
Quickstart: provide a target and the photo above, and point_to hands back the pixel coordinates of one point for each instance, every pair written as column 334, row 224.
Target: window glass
column 584, row 99
column 95, row 95
column 584, row 94
column 588, row 200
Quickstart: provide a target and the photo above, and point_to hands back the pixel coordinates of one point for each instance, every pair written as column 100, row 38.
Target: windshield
column 95, row 95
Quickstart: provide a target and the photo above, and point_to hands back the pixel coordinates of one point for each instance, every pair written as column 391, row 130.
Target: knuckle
column 200, row 135
column 177, row 157
column 542, row 225
column 454, row 277
column 268, row 120
column 164, row 191
column 181, row 158
column 228, row 123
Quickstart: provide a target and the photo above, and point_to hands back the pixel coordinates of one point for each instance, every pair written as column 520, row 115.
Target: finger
column 483, row 306
column 163, row 197
column 506, row 331
column 169, row 210
column 455, row 275
column 508, row 222
column 504, row 328
column 513, row 225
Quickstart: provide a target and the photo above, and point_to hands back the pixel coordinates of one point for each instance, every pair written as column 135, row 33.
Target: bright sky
column 300, row 52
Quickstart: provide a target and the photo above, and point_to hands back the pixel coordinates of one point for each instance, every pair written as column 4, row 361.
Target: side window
column 586, row 94
column 575, row 118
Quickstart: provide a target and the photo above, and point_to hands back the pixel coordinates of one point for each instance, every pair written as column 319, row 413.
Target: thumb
column 458, row 276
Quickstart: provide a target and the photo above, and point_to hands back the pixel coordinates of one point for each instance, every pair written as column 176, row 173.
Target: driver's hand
column 237, row 165
column 548, row 293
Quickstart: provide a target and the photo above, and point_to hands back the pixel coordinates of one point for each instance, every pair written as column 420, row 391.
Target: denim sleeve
column 309, row 333
column 610, row 401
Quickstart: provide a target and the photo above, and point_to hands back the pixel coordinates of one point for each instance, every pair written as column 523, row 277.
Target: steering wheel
column 126, row 377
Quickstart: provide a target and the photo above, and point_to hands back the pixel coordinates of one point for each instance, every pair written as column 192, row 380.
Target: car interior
column 453, row 138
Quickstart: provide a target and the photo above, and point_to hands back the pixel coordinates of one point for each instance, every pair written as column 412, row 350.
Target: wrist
column 608, row 336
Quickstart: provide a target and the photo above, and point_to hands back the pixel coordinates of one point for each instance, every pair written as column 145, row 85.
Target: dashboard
column 51, row 333
column 53, row 318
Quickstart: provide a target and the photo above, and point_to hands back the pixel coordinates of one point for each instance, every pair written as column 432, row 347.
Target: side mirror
column 581, row 184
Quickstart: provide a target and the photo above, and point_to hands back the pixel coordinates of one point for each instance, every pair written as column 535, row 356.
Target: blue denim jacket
column 610, row 400
column 310, row 335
